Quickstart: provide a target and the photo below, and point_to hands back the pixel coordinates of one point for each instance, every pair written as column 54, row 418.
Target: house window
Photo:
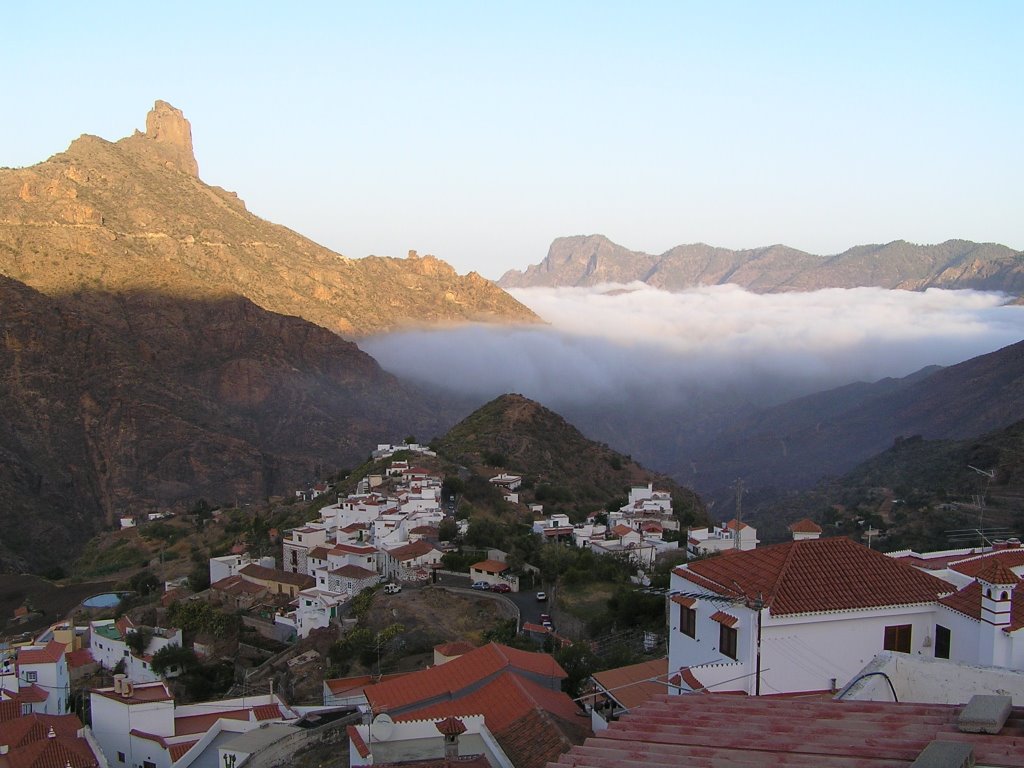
column 687, row 621
column 120, row 757
column 148, row 764
column 727, row 641
column 943, row 640
column 31, row 677
column 897, row 638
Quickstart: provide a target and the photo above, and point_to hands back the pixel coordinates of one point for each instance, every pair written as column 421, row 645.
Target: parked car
column 545, row 618
column 482, row 585
column 542, row 597
column 392, row 588
column 501, row 588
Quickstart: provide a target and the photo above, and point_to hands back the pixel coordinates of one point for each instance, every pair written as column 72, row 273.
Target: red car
column 500, row 588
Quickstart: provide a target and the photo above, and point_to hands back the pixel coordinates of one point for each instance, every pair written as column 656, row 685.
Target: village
column 815, row 628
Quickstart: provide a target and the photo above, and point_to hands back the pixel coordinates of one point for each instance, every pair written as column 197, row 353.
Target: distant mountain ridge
column 134, row 215
column 588, row 260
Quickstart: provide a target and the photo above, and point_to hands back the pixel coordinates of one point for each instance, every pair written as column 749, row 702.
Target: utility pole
column 739, row 512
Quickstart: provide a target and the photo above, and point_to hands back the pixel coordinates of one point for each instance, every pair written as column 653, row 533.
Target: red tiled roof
column 260, row 573
column 353, row 548
column 724, row 618
column 449, row 680
column 450, row 726
column 267, row 712
column 458, row 648
column 357, row 741
column 9, row 710
column 632, row 685
column 1009, row 558
column 354, row 572
column 141, row 694
column 816, row 575
column 29, row 694
column 968, row 602
column 319, row 553
column 726, row 730
column 28, row 728
column 805, row 526
column 79, row 658
column 202, row 723
column 621, row 530
column 53, row 753
column 686, row 602
column 48, row 654
column 412, row 551
column 490, row 566
column 339, row 685
column 177, row 750
column 994, row 572
column 736, row 525
column 529, row 626
column 538, row 738
column 236, row 585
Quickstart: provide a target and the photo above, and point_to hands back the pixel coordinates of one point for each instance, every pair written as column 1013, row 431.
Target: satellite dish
column 382, row 727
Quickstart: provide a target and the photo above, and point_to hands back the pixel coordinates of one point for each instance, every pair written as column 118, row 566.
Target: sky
column 479, row 132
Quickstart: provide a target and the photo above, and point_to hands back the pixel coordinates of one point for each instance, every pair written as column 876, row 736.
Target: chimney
column 119, row 681
column 451, row 728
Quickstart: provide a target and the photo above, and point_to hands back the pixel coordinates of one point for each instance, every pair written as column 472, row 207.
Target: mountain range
column 588, row 260
column 133, row 215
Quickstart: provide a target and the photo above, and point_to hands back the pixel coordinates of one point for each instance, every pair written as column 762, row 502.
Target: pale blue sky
column 479, row 132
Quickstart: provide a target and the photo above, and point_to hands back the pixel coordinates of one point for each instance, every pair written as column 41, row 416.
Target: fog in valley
column 657, row 374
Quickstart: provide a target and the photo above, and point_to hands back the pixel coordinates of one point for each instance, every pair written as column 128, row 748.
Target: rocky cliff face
column 593, row 259
column 133, row 215
column 113, row 403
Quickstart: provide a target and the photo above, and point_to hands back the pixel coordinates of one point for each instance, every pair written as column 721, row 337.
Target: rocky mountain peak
column 168, row 138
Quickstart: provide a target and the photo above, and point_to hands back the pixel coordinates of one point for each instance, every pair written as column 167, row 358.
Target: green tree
column 447, row 530
column 174, row 658
column 579, row 661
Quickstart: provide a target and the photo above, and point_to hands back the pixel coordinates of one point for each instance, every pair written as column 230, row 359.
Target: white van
column 392, row 589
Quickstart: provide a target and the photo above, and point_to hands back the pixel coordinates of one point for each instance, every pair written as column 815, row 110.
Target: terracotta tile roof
column 450, row 680
column 724, row 730
column 529, row 626
column 124, row 624
column 353, row 548
column 79, row 658
column 9, row 710
column 28, row 728
column 191, row 724
column 816, row 575
column 621, row 530
column 736, row 525
column 424, row 530
column 490, row 566
column 412, row 551
column 968, row 602
column 29, row 694
column 340, row 685
column 354, row 572
column 724, row 618
column 450, row 726
column 177, row 750
column 236, row 585
column 53, row 753
column 994, row 572
column 48, row 654
column 319, row 553
column 141, row 693
column 805, row 526
column 538, row 738
column 260, row 573
column 267, row 712
column 458, row 648
column 357, row 741
column 686, row 602
column 632, row 685
column 1010, row 558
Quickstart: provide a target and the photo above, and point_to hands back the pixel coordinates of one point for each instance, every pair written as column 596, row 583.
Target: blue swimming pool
column 106, row 600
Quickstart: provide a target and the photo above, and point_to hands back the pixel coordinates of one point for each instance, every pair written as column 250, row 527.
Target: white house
column 507, row 482
column 229, row 565
column 316, row 608
column 108, row 646
column 441, row 741
column 37, row 678
column 731, row 535
column 410, row 562
column 298, row 544
column 646, row 500
column 139, row 725
column 800, row 616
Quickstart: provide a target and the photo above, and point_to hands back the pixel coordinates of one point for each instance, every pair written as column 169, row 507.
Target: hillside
column 124, row 403
column 793, row 445
column 133, row 215
column 594, row 259
column 560, row 467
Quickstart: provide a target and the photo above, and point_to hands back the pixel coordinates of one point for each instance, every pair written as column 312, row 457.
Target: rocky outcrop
column 133, row 215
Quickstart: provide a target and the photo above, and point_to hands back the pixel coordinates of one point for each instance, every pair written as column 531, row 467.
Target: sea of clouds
column 604, row 343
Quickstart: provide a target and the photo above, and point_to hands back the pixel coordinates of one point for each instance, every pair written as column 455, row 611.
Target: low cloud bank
column 611, row 342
